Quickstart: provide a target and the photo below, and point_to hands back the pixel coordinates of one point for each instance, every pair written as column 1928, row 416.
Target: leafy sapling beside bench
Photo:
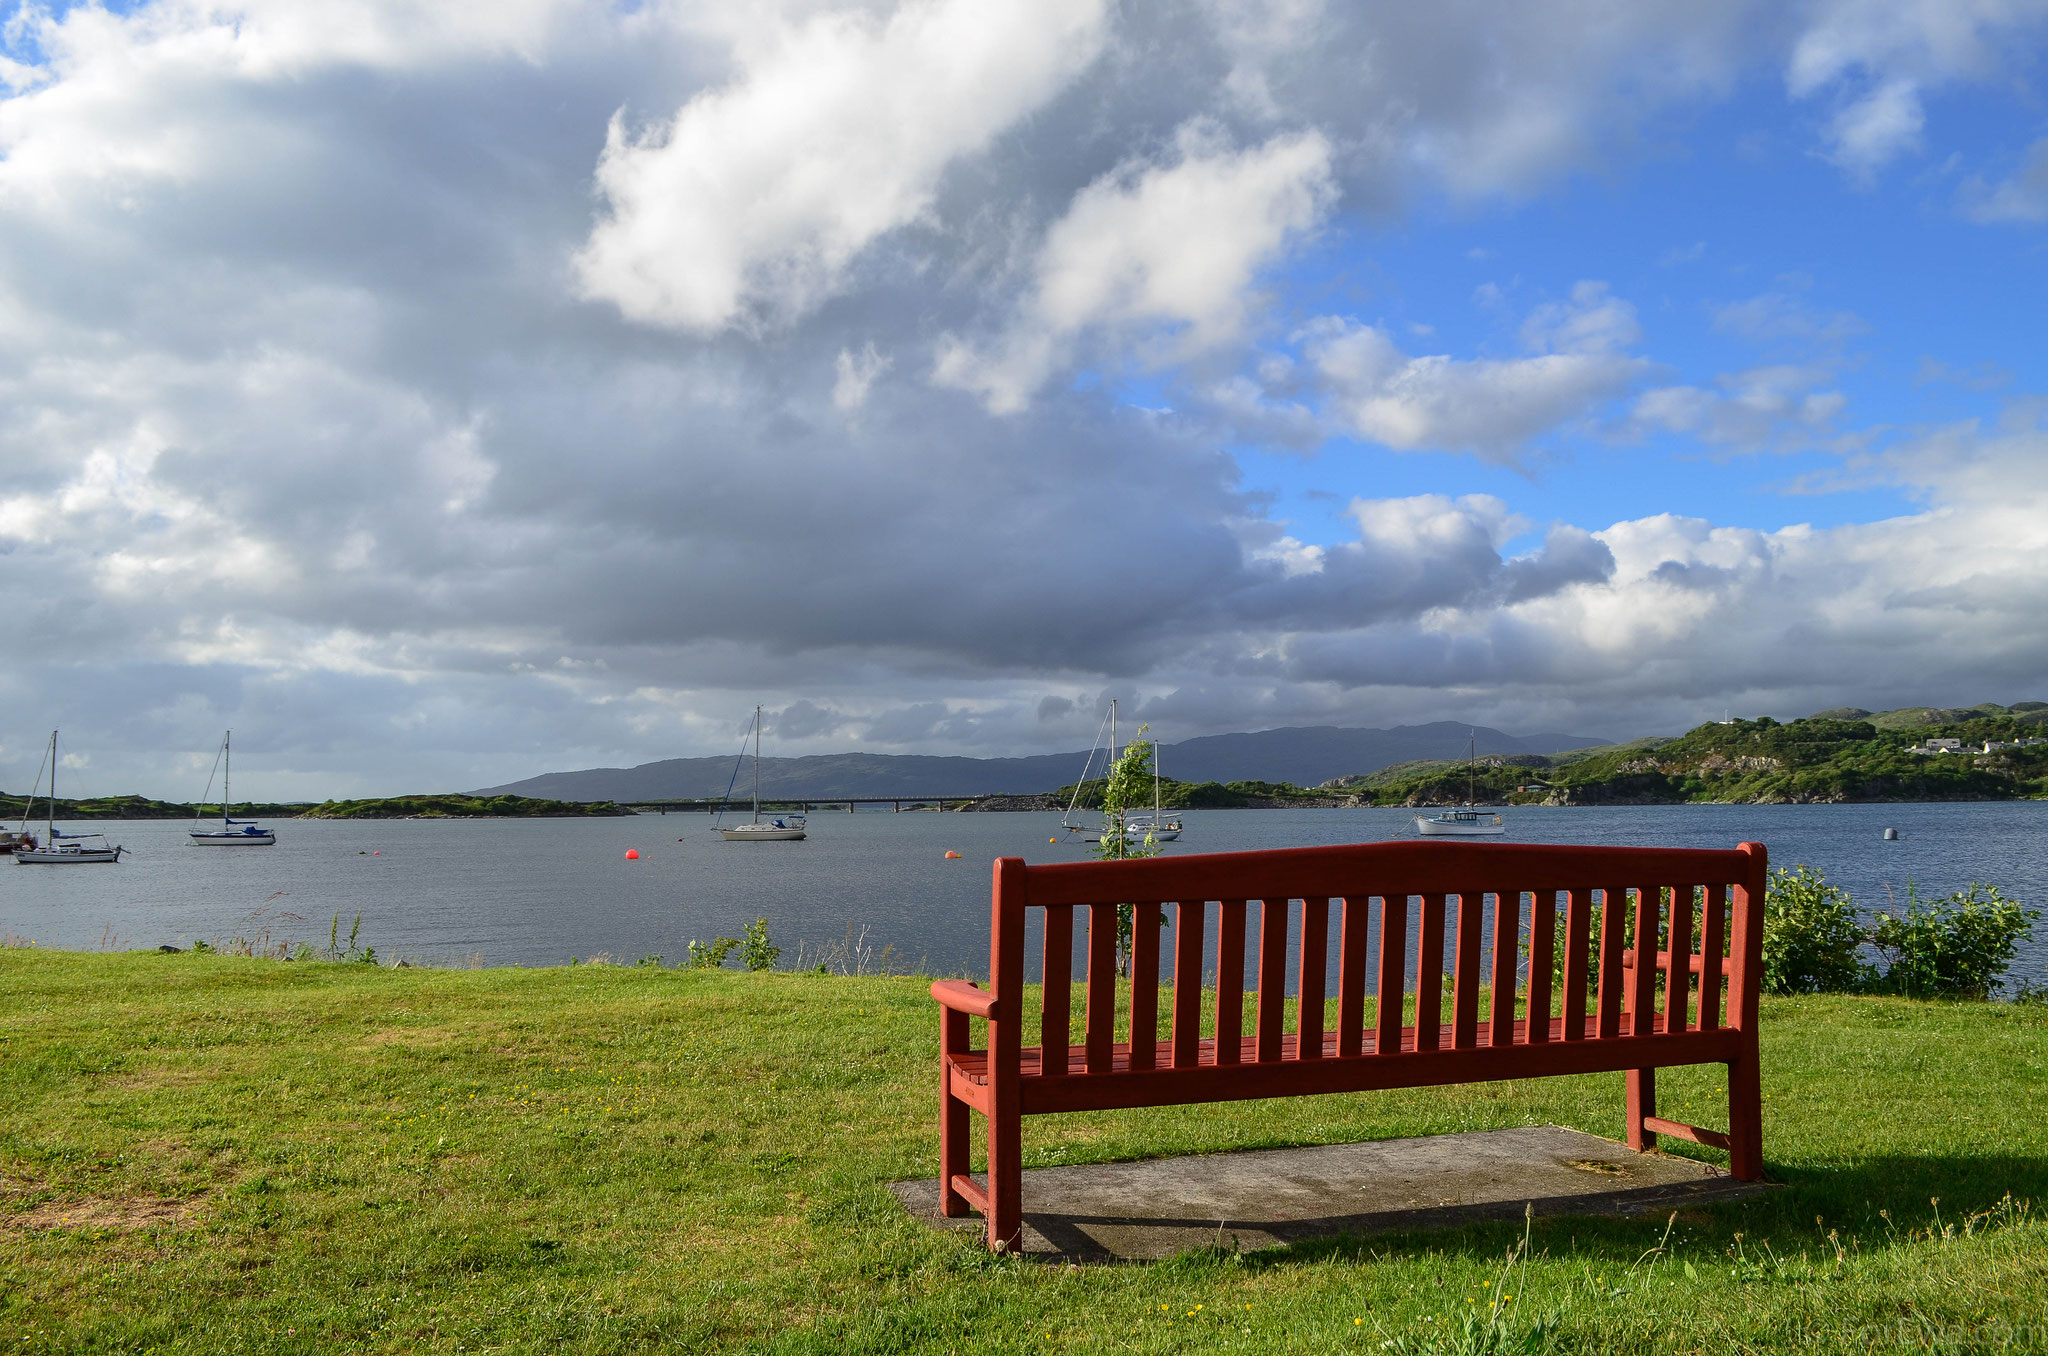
column 1395, row 914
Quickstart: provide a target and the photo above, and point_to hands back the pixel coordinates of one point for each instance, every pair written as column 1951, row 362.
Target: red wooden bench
column 1603, row 1018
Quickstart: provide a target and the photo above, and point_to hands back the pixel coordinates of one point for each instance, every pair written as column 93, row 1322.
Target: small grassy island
column 213, row 1153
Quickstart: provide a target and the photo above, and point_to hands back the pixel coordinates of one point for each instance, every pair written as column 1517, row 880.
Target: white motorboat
column 1466, row 821
column 1463, row 822
column 232, row 832
column 59, row 848
column 772, row 831
column 1159, row 830
column 784, row 828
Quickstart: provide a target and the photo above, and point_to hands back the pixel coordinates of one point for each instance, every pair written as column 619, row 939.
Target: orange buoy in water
column 951, row 855
column 1052, row 840
column 632, row 854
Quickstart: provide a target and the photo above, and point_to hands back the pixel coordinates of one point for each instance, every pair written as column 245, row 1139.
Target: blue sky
column 1919, row 315
column 439, row 394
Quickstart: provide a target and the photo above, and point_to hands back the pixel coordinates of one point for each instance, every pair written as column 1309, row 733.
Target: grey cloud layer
column 432, row 390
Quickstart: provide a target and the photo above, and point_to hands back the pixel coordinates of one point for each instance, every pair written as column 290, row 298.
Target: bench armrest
column 961, row 996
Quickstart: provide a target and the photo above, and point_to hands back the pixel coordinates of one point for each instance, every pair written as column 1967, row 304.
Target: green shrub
column 1958, row 947
column 757, row 951
column 710, row 955
column 1811, row 935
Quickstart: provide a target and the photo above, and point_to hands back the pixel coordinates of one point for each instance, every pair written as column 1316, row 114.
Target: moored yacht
column 232, row 832
column 1466, row 821
column 59, row 848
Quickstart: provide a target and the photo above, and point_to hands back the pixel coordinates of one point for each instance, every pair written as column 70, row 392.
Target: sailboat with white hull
column 785, row 828
column 59, row 848
column 1465, row 821
column 1158, row 827
column 232, row 832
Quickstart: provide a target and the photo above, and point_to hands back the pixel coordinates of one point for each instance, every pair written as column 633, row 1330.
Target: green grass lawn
column 207, row 1153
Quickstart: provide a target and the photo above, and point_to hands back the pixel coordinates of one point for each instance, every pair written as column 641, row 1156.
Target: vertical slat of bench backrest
column 1101, row 1028
column 1678, row 959
column 1229, row 981
column 1643, row 998
column 1507, row 937
column 1187, row 982
column 1308, row 985
column 1712, row 939
column 1058, row 1012
column 1745, row 943
column 1429, row 973
column 1392, row 975
column 1351, row 937
column 1272, row 1021
column 1578, row 946
column 1465, row 981
column 1144, row 985
column 1542, row 941
column 1612, row 901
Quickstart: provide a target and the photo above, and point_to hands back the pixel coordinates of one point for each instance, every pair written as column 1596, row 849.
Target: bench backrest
column 1693, row 912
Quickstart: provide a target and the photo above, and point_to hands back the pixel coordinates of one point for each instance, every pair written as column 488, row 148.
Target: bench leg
column 1745, row 1120
column 1642, row 1103
column 955, row 1158
column 1005, row 1181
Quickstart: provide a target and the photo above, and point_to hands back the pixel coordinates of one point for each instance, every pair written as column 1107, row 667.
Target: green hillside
column 459, row 807
column 393, row 807
column 1841, row 755
column 136, row 807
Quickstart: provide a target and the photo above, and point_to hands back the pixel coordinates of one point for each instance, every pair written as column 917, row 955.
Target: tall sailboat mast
column 757, row 765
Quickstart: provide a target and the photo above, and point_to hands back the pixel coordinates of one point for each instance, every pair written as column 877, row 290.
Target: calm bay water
column 536, row 892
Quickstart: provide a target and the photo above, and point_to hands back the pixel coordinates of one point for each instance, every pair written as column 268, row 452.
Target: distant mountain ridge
column 1304, row 755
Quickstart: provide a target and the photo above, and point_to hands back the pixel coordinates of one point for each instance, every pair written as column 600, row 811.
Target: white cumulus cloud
column 1492, row 407
column 835, row 131
column 1169, row 251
